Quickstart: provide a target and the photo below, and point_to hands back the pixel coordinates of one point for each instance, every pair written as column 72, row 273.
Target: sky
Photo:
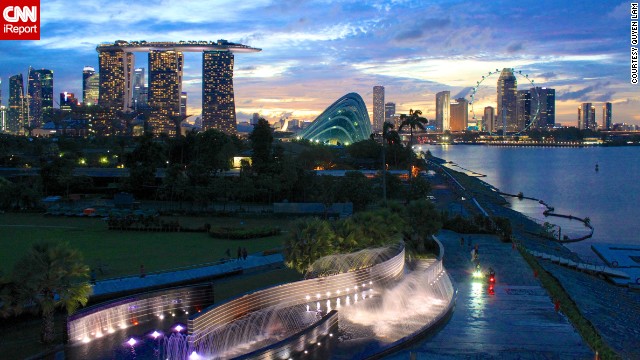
column 315, row 51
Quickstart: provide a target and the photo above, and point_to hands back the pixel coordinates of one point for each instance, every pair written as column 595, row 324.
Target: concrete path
column 517, row 322
column 150, row 280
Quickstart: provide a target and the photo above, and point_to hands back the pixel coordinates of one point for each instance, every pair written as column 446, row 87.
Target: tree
column 354, row 187
column 424, row 220
column 385, row 134
column 261, row 143
column 413, row 121
column 309, row 240
column 51, row 276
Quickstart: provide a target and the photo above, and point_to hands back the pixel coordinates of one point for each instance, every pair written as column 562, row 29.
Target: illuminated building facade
column 116, row 68
column 140, row 89
column 183, row 104
column 587, row 116
column 523, row 110
column 90, row 86
column 344, row 122
column 46, row 86
column 218, row 103
column 459, row 112
column 507, row 100
column 165, row 88
column 443, row 119
column 607, row 116
column 389, row 112
column 547, row 106
column 16, row 112
column 378, row 108
column 68, row 101
column 34, row 91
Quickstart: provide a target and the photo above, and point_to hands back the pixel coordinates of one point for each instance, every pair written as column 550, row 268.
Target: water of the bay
column 565, row 178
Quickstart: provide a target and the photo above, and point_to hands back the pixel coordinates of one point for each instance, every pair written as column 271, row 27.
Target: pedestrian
column 142, row 272
column 228, row 253
column 473, row 254
column 461, row 241
column 244, row 253
column 239, row 254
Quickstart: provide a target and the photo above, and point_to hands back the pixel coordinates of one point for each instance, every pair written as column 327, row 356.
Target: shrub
column 237, row 233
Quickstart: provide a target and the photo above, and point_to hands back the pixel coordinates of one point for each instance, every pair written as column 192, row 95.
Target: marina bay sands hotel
column 166, row 62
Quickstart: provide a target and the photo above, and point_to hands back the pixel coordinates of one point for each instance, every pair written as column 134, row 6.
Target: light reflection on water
column 565, row 178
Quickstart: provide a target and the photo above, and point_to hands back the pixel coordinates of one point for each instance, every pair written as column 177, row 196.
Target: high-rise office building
column 489, row 119
column 46, row 85
column 116, row 69
column 218, row 102
column 507, row 99
column 606, row 116
column 546, row 107
column 459, row 112
column 389, row 112
column 443, row 101
column 378, row 108
column 34, row 92
column 17, row 105
column 183, row 104
column 523, row 110
column 90, row 86
column 165, row 88
column 587, row 117
column 140, row 90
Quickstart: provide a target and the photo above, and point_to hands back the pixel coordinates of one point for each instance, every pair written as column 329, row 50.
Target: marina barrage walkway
column 517, row 322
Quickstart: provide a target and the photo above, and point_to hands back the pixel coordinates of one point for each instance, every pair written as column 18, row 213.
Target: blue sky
column 315, row 51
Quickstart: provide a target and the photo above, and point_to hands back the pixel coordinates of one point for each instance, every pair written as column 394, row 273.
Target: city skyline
column 306, row 64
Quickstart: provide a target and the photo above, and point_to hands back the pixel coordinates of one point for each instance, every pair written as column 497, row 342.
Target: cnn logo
column 20, row 20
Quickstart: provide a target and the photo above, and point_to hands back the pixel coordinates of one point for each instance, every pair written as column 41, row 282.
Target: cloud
column 548, row 75
column 417, row 30
column 587, row 93
column 515, row 47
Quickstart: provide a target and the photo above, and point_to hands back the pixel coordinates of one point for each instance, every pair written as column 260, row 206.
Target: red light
column 492, row 279
column 491, row 291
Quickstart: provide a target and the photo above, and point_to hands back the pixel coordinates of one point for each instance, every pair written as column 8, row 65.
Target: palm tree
column 50, row 276
column 385, row 134
column 414, row 120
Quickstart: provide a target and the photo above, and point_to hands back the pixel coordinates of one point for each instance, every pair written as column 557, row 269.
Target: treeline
column 195, row 169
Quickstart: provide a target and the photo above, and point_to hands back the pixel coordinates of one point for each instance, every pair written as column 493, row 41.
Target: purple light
column 178, row 328
column 155, row 334
column 132, row 342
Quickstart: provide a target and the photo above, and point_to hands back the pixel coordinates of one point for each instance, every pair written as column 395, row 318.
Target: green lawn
column 122, row 252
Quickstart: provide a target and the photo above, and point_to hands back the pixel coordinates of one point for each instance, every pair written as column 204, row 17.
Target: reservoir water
column 565, row 178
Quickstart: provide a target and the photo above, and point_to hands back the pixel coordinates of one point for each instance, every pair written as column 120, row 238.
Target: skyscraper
column 116, row 68
column 547, row 106
column 507, row 99
column 606, row 116
column 389, row 112
column 34, row 91
column 443, row 100
column 218, row 103
column 489, row 119
column 459, row 111
column 523, row 110
column 165, row 88
column 46, row 85
column 140, row 90
column 183, row 104
column 586, row 116
column 16, row 113
column 90, row 86
column 378, row 108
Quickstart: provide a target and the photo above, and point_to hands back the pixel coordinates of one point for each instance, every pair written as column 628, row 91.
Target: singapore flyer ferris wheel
column 507, row 110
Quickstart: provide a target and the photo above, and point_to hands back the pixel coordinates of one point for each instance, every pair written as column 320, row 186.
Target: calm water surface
column 566, row 179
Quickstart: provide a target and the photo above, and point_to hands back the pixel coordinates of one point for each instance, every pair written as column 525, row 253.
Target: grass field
column 122, row 252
